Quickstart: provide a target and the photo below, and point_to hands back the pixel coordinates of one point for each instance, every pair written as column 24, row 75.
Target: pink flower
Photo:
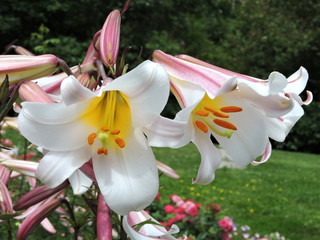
column 191, row 208
column 7, row 142
column 226, row 224
column 176, row 199
column 169, row 208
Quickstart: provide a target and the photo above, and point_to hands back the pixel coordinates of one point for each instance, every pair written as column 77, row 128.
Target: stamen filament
column 224, row 124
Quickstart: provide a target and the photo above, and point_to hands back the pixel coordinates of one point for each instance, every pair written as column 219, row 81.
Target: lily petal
column 147, row 87
column 210, row 158
column 147, row 231
column 274, row 105
column 128, row 174
column 55, row 167
column 249, row 140
column 55, row 122
column 79, row 182
column 164, row 132
column 279, row 128
column 73, row 92
column 297, row 81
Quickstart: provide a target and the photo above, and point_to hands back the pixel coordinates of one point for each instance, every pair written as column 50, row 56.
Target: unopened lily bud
column 167, row 170
column 22, row 51
column 22, row 67
column 31, row 92
column 110, row 38
column 36, row 217
column 104, row 225
column 22, row 166
column 86, row 80
column 4, row 174
column 5, row 199
column 36, row 195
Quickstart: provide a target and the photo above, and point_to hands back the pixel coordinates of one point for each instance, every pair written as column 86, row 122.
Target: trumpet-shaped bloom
column 105, row 127
column 237, row 110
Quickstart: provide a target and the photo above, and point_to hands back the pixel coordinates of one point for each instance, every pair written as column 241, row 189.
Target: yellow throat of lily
column 110, row 115
column 211, row 113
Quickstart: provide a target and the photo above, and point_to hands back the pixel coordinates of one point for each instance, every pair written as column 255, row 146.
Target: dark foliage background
column 251, row 37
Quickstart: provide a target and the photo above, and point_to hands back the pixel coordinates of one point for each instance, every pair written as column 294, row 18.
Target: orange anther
column 225, row 124
column 201, row 126
column 105, row 128
column 91, row 138
column 231, row 109
column 217, row 113
column 115, row 132
column 102, row 151
column 202, row 113
column 121, row 143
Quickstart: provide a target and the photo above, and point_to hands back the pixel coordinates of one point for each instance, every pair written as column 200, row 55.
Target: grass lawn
column 282, row 195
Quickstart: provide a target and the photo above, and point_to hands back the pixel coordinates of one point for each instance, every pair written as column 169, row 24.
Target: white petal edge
column 148, row 231
column 164, row 132
column 54, row 126
column 73, row 92
column 55, row 167
column 210, row 157
column 266, row 155
column 297, row 81
column 79, row 182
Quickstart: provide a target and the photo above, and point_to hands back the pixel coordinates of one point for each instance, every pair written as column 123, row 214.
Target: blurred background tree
column 250, row 37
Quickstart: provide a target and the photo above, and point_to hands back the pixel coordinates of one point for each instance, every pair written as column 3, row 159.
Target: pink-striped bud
column 167, row 170
column 87, row 80
column 4, row 174
column 36, row 195
column 31, row 92
column 23, row 67
column 110, row 38
column 25, row 167
column 5, row 199
column 104, row 225
column 36, row 217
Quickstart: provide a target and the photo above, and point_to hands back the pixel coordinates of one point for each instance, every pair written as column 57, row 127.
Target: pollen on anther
column 91, row 138
column 105, row 128
column 231, row 109
column 202, row 113
column 225, row 124
column 217, row 113
column 201, row 126
column 102, row 151
column 121, row 143
column 115, row 132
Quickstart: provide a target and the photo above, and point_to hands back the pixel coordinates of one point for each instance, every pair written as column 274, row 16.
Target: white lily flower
column 104, row 126
column 235, row 109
